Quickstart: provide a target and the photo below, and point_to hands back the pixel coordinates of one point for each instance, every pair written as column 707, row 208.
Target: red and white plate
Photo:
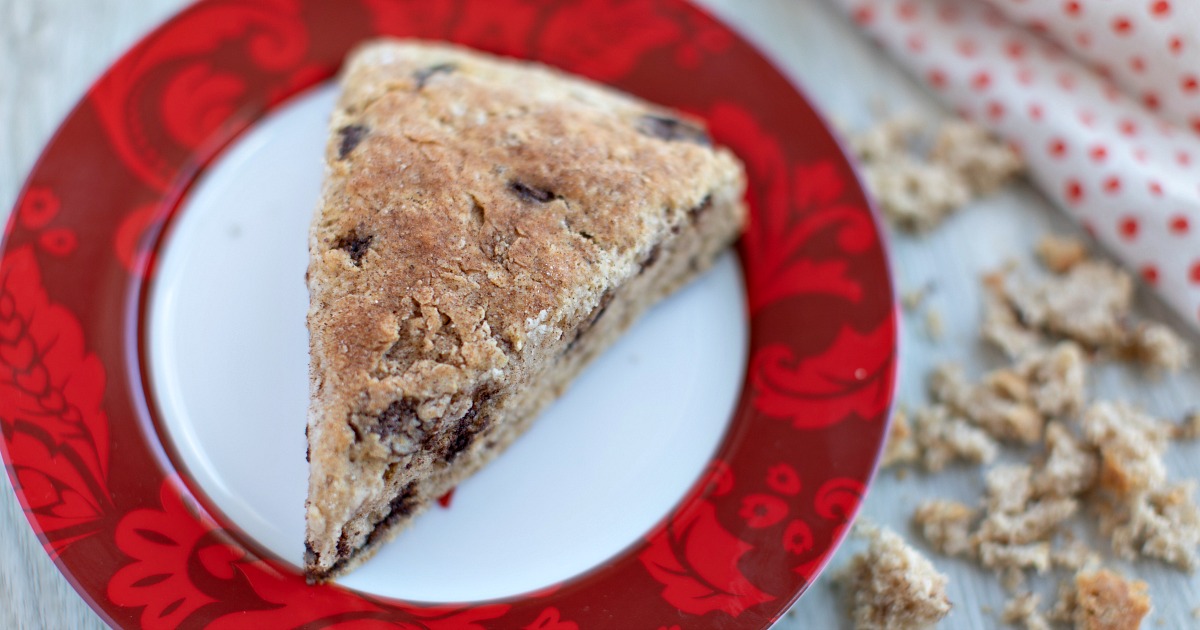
column 153, row 368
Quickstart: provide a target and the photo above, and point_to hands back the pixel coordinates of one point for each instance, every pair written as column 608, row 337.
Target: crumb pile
column 919, row 181
column 1086, row 458
column 1098, row 458
column 1087, row 301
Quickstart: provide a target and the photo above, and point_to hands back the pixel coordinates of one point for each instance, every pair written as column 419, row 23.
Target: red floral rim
column 112, row 510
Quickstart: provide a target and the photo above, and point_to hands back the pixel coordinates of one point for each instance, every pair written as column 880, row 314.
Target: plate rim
column 208, row 149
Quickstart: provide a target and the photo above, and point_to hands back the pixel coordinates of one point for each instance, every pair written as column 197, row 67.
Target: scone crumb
column 1016, row 529
column 1001, row 326
column 997, row 556
column 946, row 526
column 1060, row 253
column 1056, row 379
column 1103, row 600
column 1001, row 404
column 1022, row 611
column 943, row 439
column 918, row 189
column 1131, row 445
column 1141, row 513
column 1074, row 556
column 886, row 140
column 935, row 326
column 901, row 446
column 916, row 195
column 892, row 586
column 1157, row 347
column 1162, row 523
column 1087, row 301
column 1008, row 488
column 936, row 438
column 912, row 299
column 1036, row 523
column 1069, row 468
column 977, row 156
column 1012, row 578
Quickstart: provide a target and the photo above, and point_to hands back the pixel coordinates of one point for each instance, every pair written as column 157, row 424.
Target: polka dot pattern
column 1141, row 41
column 1103, row 98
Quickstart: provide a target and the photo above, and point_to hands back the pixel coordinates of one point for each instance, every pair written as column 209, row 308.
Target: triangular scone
column 486, row 227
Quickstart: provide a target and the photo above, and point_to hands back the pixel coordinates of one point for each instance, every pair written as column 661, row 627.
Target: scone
column 486, row 227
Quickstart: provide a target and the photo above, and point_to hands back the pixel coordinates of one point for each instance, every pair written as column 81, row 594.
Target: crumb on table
column 1086, row 300
column 1060, row 253
column 892, row 586
column 946, row 526
column 1022, row 610
column 918, row 189
column 1103, row 600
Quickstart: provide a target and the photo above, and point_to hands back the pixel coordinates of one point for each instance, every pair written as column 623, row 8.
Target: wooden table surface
column 53, row 49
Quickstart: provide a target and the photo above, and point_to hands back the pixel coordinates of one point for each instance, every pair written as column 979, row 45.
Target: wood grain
column 53, row 49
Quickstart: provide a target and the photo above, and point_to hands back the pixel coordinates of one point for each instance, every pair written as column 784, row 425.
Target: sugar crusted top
column 538, row 214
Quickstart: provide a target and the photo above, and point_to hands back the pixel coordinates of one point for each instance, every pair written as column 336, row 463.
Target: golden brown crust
column 476, row 215
column 1106, row 601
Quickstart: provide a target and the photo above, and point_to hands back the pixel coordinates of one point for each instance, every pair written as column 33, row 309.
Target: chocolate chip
column 587, row 324
column 351, row 136
column 355, row 245
column 423, row 75
column 307, row 447
column 651, row 257
column 463, row 436
column 506, row 346
column 696, row 211
column 601, row 307
column 470, row 425
column 529, row 193
column 400, row 507
column 693, row 214
column 343, row 546
column 483, row 395
column 315, row 575
column 465, row 433
column 672, row 129
column 396, row 419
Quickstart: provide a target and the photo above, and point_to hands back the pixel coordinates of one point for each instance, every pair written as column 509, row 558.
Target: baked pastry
column 485, row 228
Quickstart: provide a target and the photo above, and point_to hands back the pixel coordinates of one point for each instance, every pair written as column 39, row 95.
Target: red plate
column 108, row 503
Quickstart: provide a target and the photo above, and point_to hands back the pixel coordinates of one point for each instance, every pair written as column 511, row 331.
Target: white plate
column 229, row 360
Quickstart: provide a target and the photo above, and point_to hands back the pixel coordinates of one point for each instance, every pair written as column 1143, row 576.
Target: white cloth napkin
column 1101, row 98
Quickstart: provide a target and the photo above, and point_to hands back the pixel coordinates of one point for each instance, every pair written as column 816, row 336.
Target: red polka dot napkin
column 1101, row 98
